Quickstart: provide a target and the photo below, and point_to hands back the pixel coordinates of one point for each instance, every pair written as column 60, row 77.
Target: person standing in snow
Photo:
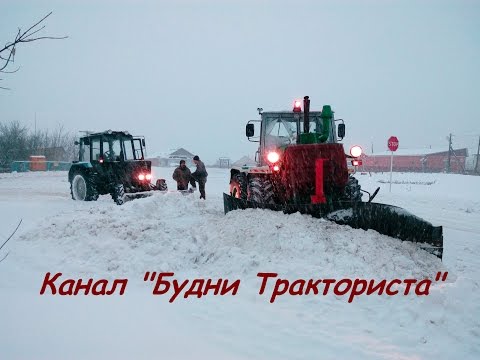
column 200, row 176
column 182, row 176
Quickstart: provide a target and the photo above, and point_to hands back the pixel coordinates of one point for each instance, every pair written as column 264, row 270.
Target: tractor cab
column 111, row 146
column 280, row 130
column 111, row 162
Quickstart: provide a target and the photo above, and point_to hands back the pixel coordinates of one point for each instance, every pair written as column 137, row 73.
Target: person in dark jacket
column 182, row 176
column 200, row 176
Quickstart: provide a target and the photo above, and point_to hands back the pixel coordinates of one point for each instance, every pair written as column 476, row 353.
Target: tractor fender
column 78, row 167
column 239, row 169
column 251, row 170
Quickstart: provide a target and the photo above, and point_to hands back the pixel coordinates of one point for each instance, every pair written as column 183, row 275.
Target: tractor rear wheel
column 261, row 190
column 118, row 194
column 238, row 186
column 82, row 187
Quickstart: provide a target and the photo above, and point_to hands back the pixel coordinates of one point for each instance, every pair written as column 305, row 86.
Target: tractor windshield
column 111, row 149
column 282, row 129
column 133, row 149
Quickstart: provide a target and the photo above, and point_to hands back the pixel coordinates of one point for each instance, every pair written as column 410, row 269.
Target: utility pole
column 478, row 152
column 35, row 136
column 449, row 152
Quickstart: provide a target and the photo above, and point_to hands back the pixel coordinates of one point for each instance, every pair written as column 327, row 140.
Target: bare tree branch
column 23, row 37
column 4, row 88
column 5, row 256
column 11, row 235
column 11, row 72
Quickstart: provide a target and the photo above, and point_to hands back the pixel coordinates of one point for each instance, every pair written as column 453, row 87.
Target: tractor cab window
column 137, row 147
column 316, row 125
column 280, row 131
column 111, row 149
column 84, row 154
column 95, row 144
column 129, row 152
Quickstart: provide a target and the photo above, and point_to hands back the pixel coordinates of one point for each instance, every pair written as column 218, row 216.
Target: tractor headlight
column 355, row 151
column 148, row 176
column 141, row 177
column 273, row 157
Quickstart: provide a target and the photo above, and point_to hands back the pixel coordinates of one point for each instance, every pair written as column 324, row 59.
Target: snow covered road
column 194, row 239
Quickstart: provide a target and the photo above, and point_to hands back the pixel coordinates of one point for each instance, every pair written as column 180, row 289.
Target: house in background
column 172, row 158
column 245, row 161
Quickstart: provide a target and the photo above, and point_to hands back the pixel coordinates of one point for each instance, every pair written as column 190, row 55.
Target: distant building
column 416, row 160
column 181, row 154
column 172, row 158
column 53, row 153
column 222, row 162
column 245, row 161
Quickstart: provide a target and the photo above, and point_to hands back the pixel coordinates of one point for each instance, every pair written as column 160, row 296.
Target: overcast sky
column 191, row 73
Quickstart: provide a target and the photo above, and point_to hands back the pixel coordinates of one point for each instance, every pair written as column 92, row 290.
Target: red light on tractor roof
column 355, row 151
column 297, row 106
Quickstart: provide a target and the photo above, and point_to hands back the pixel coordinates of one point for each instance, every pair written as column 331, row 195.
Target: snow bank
column 194, row 238
column 174, row 232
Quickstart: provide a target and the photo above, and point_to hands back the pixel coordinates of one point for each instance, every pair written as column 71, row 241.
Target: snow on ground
column 194, row 239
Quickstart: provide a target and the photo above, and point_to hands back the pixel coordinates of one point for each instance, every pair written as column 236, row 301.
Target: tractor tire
column 83, row 188
column 261, row 190
column 238, row 186
column 352, row 190
column 118, row 194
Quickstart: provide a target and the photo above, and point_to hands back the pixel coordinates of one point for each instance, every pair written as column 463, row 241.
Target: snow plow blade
column 386, row 219
column 145, row 194
column 137, row 195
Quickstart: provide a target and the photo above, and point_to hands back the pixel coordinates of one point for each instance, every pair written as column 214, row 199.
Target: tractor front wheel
column 118, row 194
column 238, row 186
column 261, row 190
column 352, row 190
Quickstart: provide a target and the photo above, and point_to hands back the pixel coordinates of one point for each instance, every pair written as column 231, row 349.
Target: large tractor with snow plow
column 112, row 162
column 302, row 167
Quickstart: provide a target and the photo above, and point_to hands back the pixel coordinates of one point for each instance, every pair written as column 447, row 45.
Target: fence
column 24, row 166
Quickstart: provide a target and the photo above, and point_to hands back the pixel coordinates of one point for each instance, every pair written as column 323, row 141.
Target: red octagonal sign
column 393, row 143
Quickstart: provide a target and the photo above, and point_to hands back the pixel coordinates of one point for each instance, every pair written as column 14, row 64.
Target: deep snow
column 194, row 239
